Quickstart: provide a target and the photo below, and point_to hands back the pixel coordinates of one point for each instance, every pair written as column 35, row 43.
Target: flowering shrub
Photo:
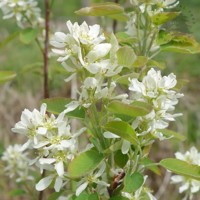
column 97, row 145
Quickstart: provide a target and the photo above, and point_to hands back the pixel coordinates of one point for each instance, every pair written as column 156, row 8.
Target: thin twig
column 163, row 187
column 46, row 45
column 45, row 56
column 115, row 183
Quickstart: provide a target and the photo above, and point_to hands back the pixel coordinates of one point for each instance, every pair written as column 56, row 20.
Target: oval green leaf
column 123, row 130
column 85, row 163
column 133, row 182
column 164, row 17
column 135, row 109
column 101, row 9
column 181, row 167
column 120, row 158
column 126, row 56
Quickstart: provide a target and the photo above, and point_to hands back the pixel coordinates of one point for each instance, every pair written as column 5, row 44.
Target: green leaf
column 120, row 158
column 6, row 76
column 57, row 105
column 55, row 195
column 178, row 42
column 170, row 133
column 164, row 37
column 28, row 35
column 125, row 78
column 120, row 17
column 135, row 109
column 101, row 9
column 164, row 17
column 124, row 38
column 140, row 62
column 133, row 182
column 82, row 196
column 153, row 63
column 93, row 196
column 84, row 163
column 17, row 192
column 126, row 56
column 181, row 167
column 9, row 39
column 122, row 129
column 149, row 164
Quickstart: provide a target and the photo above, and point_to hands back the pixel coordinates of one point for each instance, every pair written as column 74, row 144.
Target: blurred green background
column 25, row 91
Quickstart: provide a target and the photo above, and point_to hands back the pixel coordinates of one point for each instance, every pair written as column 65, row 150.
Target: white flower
column 157, row 91
column 82, row 45
column 187, row 184
column 17, row 163
column 24, row 11
column 93, row 178
column 53, row 142
column 45, row 183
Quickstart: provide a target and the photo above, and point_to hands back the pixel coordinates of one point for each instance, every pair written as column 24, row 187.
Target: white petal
column 57, row 44
column 59, row 52
column 43, row 109
column 59, row 167
column 42, row 130
column 125, row 146
column 108, row 134
column 99, row 51
column 46, row 160
column 81, row 188
column 184, row 187
column 44, row 183
column 66, row 143
column 58, row 184
column 71, row 106
column 69, row 78
column 60, row 37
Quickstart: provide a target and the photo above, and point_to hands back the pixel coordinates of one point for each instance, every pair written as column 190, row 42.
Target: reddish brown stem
column 117, row 180
column 46, row 45
column 45, row 70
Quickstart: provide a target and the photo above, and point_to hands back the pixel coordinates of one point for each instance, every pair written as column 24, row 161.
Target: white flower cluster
column 82, row 47
column 157, row 91
column 25, row 11
column 17, row 163
column 82, row 51
column 52, row 139
column 187, row 184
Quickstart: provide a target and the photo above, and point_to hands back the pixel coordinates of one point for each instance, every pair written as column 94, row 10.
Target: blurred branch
column 163, row 187
column 46, row 45
column 114, row 25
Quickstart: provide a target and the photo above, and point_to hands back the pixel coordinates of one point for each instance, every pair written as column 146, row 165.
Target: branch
column 46, row 45
column 117, row 180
